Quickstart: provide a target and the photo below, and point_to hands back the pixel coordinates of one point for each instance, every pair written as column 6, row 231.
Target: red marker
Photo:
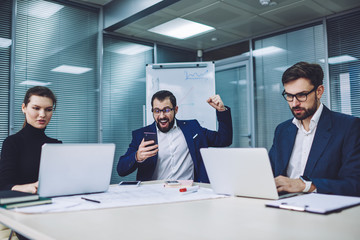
column 189, row 189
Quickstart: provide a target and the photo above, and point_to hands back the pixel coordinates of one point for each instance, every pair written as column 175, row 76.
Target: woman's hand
column 30, row 187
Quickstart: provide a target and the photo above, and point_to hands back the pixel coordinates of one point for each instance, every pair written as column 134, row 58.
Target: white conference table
column 223, row 218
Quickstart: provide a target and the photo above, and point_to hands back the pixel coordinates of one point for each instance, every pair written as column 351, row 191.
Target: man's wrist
column 136, row 158
column 307, row 181
column 223, row 109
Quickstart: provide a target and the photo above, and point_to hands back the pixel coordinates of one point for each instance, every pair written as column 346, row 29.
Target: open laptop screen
column 240, row 171
column 68, row 169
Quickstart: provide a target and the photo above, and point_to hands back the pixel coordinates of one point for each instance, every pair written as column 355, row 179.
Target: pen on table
column 91, row 200
column 189, row 189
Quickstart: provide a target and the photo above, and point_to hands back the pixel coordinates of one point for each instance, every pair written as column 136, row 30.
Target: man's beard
column 307, row 112
column 166, row 129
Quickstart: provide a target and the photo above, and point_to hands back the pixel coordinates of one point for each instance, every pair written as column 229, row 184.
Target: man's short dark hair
column 310, row 71
column 162, row 95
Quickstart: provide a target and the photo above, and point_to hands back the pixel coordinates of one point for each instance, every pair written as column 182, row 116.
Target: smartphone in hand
column 150, row 136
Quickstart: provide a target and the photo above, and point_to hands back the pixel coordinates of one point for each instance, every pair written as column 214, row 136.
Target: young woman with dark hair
column 20, row 154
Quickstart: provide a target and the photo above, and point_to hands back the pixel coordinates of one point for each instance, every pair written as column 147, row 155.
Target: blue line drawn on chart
column 195, row 75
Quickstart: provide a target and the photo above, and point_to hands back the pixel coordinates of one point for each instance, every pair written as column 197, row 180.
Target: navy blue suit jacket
column 334, row 159
column 196, row 137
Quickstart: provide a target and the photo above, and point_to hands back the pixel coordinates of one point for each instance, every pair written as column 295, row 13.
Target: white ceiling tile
column 234, row 20
column 253, row 27
column 152, row 20
column 255, row 7
column 297, row 13
column 338, row 5
column 218, row 15
column 184, row 7
column 204, row 41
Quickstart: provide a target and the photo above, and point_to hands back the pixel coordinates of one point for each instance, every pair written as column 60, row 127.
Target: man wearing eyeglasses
column 176, row 154
column 318, row 150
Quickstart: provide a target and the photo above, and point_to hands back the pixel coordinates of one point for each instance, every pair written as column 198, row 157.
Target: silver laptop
column 242, row 172
column 69, row 169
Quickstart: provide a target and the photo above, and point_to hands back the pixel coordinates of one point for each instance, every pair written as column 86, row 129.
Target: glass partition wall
column 272, row 56
column 123, row 96
column 344, row 65
column 5, row 51
column 233, row 84
column 52, row 51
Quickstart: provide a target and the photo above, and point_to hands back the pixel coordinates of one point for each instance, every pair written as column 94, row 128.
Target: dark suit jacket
column 196, row 137
column 334, row 158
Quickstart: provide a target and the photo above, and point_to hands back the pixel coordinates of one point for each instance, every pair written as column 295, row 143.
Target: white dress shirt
column 302, row 146
column 174, row 159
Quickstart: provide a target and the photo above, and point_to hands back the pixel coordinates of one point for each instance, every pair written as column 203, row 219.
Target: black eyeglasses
column 301, row 97
column 165, row 110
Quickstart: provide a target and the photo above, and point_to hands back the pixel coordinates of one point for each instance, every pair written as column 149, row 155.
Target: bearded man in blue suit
column 176, row 154
column 318, row 150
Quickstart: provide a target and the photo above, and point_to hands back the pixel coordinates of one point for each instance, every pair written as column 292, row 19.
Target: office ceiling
column 234, row 20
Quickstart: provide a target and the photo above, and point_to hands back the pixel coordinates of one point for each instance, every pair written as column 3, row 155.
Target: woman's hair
column 39, row 91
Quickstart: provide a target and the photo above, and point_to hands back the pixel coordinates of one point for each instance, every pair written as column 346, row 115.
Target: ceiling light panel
column 35, row 83
column 128, row 48
column 41, row 9
column 71, row 69
column 181, row 28
column 340, row 59
column 267, row 51
column 5, row 42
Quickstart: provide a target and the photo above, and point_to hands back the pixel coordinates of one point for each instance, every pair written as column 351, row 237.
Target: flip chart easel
column 191, row 83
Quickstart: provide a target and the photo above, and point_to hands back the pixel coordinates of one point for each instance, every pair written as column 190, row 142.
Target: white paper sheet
column 120, row 196
column 316, row 203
